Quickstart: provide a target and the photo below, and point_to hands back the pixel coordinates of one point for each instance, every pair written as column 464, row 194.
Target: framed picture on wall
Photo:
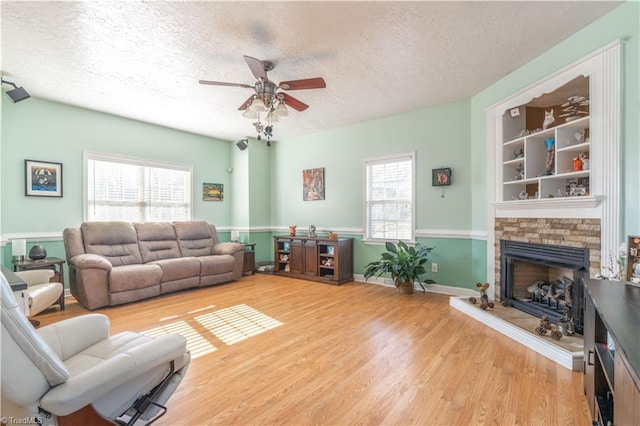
column 212, row 192
column 313, row 184
column 441, row 177
column 42, row 178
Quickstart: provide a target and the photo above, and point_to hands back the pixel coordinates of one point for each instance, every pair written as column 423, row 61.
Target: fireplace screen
column 544, row 280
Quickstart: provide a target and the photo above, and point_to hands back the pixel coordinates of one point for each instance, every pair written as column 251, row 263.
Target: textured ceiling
column 143, row 60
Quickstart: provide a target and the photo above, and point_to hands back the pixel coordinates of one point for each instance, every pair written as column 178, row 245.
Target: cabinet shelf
column 308, row 257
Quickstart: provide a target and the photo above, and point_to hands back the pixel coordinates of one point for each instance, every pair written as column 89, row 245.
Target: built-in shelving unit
column 545, row 164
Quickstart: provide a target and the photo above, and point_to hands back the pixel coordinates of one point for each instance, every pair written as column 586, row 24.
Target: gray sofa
column 111, row 263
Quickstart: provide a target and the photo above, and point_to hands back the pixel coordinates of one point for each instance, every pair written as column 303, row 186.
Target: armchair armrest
column 73, row 335
column 227, row 248
column 85, row 261
column 89, row 385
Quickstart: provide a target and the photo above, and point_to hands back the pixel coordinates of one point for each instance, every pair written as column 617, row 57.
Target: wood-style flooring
column 276, row 350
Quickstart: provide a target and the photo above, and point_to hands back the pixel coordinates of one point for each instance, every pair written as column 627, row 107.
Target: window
column 389, row 186
column 134, row 190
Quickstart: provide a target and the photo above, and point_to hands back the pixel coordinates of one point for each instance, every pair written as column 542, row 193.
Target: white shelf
column 534, row 163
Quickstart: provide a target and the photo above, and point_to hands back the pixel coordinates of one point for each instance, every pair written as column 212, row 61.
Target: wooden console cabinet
column 612, row 352
column 317, row 259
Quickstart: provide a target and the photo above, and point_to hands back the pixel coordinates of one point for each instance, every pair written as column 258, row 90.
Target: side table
column 249, row 263
column 54, row 263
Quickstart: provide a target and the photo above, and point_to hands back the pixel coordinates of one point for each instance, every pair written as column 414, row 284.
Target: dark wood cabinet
column 612, row 352
column 318, row 259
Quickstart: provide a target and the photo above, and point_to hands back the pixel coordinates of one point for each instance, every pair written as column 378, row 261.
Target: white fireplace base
column 568, row 359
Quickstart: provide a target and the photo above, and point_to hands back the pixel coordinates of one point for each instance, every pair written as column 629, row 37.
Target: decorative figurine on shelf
column 520, row 171
column 580, row 136
column 292, row 230
column 332, row 235
column 577, row 164
column 548, row 119
column 572, row 109
column 518, row 154
column 312, row 231
column 585, row 161
column 549, row 164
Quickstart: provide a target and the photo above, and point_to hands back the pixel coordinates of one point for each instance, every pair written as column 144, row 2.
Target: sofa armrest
column 85, row 261
column 100, row 379
column 227, row 248
column 73, row 335
column 35, row 276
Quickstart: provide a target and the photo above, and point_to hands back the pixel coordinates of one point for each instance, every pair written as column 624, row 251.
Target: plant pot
column 405, row 287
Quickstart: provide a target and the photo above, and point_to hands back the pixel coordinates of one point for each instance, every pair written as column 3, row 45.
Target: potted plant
column 405, row 265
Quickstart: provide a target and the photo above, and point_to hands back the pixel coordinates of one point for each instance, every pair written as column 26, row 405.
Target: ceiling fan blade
column 256, row 68
column 220, row 83
column 246, row 103
column 307, row 83
column 293, row 102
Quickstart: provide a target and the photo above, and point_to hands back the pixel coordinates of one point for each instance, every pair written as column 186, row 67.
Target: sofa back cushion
column 194, row 238
column 157, row 241
column 116, row 241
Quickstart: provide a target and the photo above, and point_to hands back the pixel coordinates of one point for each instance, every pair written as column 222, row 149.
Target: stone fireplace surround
column 580, row 233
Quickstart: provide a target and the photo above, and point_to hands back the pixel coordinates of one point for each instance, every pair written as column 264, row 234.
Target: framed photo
column 212, row 192
column 330, row 250
column 441, row 177
column 633, row 259
column 42, row 178
column 313, row 184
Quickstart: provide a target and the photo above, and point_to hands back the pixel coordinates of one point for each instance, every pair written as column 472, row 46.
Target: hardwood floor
column 300, row 352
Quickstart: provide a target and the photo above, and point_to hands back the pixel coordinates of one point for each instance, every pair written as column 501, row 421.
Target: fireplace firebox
column 544, row 280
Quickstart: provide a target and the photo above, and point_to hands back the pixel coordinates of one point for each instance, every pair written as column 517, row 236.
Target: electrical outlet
column 434, row 267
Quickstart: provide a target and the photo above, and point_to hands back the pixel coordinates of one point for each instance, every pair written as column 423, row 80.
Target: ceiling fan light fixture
column 250, row 114
column 281, row 110
column 257, row 105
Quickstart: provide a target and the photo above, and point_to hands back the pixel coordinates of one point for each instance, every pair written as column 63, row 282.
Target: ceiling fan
column 267, row 97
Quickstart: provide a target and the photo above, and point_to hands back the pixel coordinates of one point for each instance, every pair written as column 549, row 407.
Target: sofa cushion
column 116, row 241
column 177, row 269
column 132, row 277
column 194, row 238
column 157, row 241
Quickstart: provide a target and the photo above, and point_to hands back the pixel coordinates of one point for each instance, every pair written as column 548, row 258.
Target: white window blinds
column 135, row 190
column 389, row 209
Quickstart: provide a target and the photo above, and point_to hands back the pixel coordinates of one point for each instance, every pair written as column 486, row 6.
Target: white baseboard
column 432, row 288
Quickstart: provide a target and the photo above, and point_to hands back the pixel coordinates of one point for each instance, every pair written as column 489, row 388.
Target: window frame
column 411, row 155
column 136, row 161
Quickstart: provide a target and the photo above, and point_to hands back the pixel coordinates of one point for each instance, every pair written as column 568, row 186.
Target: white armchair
column 42, row 293
column 74, row 372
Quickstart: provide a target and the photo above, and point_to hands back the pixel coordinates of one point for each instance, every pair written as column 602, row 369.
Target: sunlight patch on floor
column 197, row 344
column 237, row 323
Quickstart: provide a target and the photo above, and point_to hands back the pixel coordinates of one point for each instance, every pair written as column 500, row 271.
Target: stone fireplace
column 552, row 250
column 544, row 280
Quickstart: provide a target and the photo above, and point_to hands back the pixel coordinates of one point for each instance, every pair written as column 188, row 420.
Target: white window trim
column 381, row 241
column 94, row 155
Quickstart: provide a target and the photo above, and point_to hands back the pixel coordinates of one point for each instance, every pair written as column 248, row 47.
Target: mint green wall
column 50, row 131
column 440, row 136
column 259, row 184
column 622, row 23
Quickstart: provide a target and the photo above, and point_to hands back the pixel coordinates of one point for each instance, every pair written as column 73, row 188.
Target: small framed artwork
column 441, row 177
column 42, row 178
column 313, row 184
column 330, row 250
column 212, row 192
column 633, row 259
